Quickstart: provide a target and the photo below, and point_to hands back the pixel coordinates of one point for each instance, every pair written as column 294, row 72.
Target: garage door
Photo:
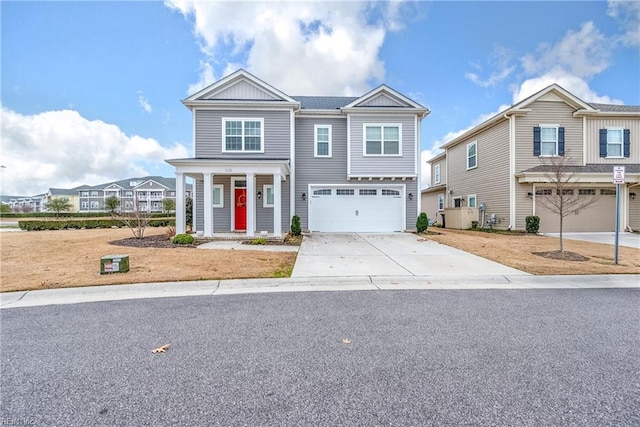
column 600, row 216
column 356, row 209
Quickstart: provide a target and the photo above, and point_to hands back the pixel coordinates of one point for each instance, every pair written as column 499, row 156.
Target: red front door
column 241, row 209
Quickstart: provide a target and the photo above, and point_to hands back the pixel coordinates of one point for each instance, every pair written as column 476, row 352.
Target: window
column 548, row 140
column 471, row 201
column 344, row 192
column 267, row 196
column 128, row 194
column 84, row 194
column 322, row 140
column 544, row 192
column 472, row 155
column 382, row 140
column 84, row 205
column 614, row 142
column 565, row 192
column 457, row 202
column 218, row 196
column 95, row 205
column 242, row 135
column 94, row 194
column 587, row 191
column 128, row 204
column 440, row 202
column 607, row 192
column 367, row 192
column 436, row 174
column 323, row 192
column 386, row 192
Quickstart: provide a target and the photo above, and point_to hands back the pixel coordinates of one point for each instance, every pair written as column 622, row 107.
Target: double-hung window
column 436, row 174
column 243, row 135
column 614, row 142
column 440, row 202
column 472, row 155
column 382, row 140
column 548, row 141
column 322, row 140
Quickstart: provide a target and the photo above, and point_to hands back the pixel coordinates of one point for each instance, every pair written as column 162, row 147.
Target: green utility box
column 114, row 264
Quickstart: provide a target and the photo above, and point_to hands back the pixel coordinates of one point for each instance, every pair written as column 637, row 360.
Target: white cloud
column 628, row 15
column 144, row 102
column 500, row 60
column 62, row 149
column 425, row 169
column 206, row 78
column 582, row 53
column 576, row 85
column 309, row 48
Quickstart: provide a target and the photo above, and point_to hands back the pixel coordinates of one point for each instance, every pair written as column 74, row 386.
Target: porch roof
column 590, row 173
column 196, row 167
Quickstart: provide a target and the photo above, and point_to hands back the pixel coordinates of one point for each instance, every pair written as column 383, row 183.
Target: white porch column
column 251, row 204
column 208, row 205
column 277, row 205
column 180, row 204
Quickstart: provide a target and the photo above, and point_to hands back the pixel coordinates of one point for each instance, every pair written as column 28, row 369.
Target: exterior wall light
column 304, row 196
column 410, row 196
column 259, row 195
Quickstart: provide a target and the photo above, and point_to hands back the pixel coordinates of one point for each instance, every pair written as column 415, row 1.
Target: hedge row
column 88, row 223
column 69, row 215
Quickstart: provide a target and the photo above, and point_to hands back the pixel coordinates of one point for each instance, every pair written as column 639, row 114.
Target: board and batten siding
column 316, row 170
column 243, row 91
column 490, row 180
column 543, row 112
column 383, row 165
column 593, row 139
column 209, row 133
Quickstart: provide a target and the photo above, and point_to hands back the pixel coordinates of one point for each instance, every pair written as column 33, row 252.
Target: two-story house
column 500, row 170
column 342, row 164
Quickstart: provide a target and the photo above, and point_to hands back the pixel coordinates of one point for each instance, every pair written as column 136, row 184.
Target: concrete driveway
column 631, row 240
column 388, row 254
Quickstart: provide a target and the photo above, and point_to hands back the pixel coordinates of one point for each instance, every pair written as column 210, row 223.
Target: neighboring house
column 497, row 172
column 25, row 203
column 262, row 156
column 146, row 194
column 70, row 195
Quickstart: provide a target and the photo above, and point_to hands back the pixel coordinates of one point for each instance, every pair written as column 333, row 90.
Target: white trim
column 292, row 166
column 348, row 144
column 232, row 196
column 265, row 190
column 441, row 209
column 437, row 180
column 251, row 204
column 512, row 171
column 243, row 136
column 475, row 199
column 382, row 127
column 548, row 125
column 584, row 140
column 475, row 144
column 315, row 141
column 208, row 204
column 621, row 129
column 277, row 203
column 214, row 187
column 181, row 204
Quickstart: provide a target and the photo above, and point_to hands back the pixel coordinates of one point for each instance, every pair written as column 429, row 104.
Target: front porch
column 228, row 199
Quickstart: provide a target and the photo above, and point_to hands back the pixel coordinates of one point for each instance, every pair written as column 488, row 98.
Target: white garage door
column 356, row 209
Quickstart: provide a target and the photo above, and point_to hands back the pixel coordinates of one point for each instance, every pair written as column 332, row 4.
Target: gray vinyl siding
column 593, row 139
column 317, row 170
column 412, row 205
column 543, row 112
column 209, row 133
column 383, row 165
column 222, row 216
column 490, row 180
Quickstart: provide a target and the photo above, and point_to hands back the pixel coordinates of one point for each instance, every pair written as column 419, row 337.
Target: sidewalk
column 361, row 283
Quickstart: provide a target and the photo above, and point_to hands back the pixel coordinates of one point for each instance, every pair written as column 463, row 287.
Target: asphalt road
column 436, row 357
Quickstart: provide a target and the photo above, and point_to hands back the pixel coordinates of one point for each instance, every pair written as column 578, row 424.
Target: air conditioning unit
column 114, row 264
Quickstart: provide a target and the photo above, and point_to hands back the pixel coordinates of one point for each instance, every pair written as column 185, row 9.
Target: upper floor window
column 94, row 194
column 84, row 194
column 440, row 202
column 243, row 135
column 322, row 140
column 436, row 174
column 382, row 140
column 615, row 142
column 548, row 140
column 472, row 155
column 128, row 194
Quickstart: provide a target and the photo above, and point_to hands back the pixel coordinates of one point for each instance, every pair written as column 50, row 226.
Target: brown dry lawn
column 516, row 250
column 66, row 258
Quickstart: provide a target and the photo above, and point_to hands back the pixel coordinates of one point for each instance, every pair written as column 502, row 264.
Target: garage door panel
column 356, row 211
column 598, row 217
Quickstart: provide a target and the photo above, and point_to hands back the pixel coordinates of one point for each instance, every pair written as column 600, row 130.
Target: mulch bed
column 156, row 241
column 563, row 256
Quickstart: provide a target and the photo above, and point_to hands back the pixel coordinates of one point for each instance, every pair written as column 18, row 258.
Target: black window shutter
column 560, row 141
column 603, row 143
column 536, row 141
column 627, row 142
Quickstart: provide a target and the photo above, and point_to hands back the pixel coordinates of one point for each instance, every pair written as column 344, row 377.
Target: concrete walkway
column 387, row 254
column 363, row 283
column 631, row 240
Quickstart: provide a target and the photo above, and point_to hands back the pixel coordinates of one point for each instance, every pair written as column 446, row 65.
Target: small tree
column 26, row 208
column 58, row 205
column 5, row 208
column 112, row 203
column 563, row 199
column 137, row 220
column 168, row 205
column 422, row 223
column 296, row 230
column 188, row 212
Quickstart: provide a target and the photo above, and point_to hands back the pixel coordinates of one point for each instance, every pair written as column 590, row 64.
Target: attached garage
column 598, row 217
column 356, row 208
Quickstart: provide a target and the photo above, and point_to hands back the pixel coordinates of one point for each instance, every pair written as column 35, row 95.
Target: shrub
column 532, row 224
column 422, row 223
column 474, row 224
column 259, row 241
column 296, row 230
column 183, row 239
column 84, row 223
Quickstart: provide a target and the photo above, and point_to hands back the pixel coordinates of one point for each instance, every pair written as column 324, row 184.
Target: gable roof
column 386, row 98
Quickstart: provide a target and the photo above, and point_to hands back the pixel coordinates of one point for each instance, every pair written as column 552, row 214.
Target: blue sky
column 91, row 90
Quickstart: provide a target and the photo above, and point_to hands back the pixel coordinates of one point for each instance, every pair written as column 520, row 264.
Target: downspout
column 512, row 171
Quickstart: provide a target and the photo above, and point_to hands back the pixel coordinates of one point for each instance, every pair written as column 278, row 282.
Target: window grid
column 440, row 202
column 345, row 192
column 548, row 141
column 243, row 135
column 386, row 192
column 472, row 155
column 436, row 174
column 323, row 192
column 382, row 140
column 614, row 142
column 368, row 192
column 323, row 141
column 587, row 191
